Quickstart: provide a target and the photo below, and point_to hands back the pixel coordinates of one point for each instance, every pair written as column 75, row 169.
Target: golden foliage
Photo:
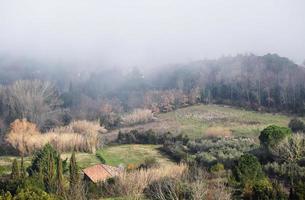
column 79, row 135
column 22, row 136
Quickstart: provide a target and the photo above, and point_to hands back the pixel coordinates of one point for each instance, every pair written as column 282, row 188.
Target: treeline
column 269, row 82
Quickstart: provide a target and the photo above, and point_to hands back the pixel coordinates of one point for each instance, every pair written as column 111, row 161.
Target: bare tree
column 37, row 101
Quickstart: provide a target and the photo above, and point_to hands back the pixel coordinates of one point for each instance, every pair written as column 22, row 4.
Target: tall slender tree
column 15, row 175
column 49, row 176
column 22, row 169
column 59, row 178
column 74, row 176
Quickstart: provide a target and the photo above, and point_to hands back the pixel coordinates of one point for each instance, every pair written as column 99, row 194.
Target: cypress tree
column 22, row 169
column 76, row 190
column 15, row 175
column 74, row 176
column 49, row 176
column 59, row 177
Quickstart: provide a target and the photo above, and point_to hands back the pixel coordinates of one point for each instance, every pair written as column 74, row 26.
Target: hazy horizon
column 150, row 33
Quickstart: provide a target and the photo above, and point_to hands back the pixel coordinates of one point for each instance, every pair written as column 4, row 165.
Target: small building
column 100, row 172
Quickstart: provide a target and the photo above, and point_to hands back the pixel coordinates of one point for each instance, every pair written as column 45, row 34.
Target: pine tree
column 15, row 175
column 59, row 177
column 22, row 169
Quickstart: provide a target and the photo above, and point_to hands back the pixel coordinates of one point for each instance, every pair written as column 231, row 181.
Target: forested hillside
column 269, row 82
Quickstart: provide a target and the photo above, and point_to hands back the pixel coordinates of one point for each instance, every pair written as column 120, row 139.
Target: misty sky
column 150, row 32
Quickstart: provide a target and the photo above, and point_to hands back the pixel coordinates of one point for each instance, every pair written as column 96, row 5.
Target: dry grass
column 132, row 184
column 214, row 132
column 83, row 135
column 79, row 135
column 138, row 116
column 82, row 127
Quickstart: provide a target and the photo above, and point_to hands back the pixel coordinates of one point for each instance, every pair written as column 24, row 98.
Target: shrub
column 175, row 150
column 42, row 161
column 206, row 159
column 247, row 170
column 264, row 189
column 272, row 135
column 296, row 125
column 138, row 116
column 149, row 162
column 222, row 150
column 217, row 168
column 286, row 171
column 290, row 149
column 33, row 194
column 110, row 120
column 149, row 137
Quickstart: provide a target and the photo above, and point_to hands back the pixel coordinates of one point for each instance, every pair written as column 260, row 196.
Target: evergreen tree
column 22, row 169
column 49, row 176
column 74, row 176
column 59, row 178
column 15, row 175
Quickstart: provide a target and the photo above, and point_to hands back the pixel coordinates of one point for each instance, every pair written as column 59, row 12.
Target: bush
column 217, row 168
column 149, row 137
column 248, row 170
column 33, row 194
column 206, row 159
column 272, row 135
column 149, row 163
column 42, row 160
column 175, row 150
column 223, row 150
column 291, row 149
column 286, row 171
column 264, row 189
column 296, row 125
column 110, row 120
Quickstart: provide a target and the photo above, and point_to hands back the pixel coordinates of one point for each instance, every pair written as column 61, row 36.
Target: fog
column 149, row 33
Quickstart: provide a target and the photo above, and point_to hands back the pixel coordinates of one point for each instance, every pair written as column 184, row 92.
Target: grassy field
column 131, row 154
column 196, row 121
column 6, row 163
column 114, row 155
column 199, row 120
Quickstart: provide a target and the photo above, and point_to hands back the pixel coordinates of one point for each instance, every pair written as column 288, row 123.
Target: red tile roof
column 101, row 172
